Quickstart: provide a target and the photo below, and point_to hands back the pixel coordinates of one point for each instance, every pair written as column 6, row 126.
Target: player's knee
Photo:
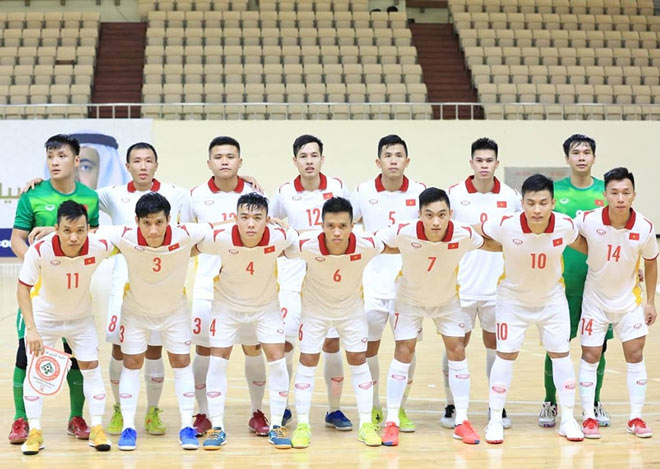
column 179, row 360
column 372, row 348
column 309, row 359
column 490, row 340
column 331, row 345
column 252, row 350
column 133, row 362
column 154, row 352
column 558, row 355
column 88, row 365
column 288, row 347
column 116, row 352
column 404, row 350
column 202, row 351
column 590, row 354
column 21, row 356
column 507, row 356
column 356, row 358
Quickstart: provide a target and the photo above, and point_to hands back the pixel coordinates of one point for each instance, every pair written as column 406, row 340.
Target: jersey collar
column 352, row 243
column 166, row 242
column 469, row 185
column 155, row 186
column 323, row 183
column 527, row 229
column 380, row 187
column 449, row 234
column 57, row 247
column 240, row 184
column 629, row 224
column 236, row 237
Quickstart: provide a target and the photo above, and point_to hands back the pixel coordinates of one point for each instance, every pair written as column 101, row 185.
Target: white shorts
column 352, row 331
column 201, row 322
column 290, row 311
column 595, row 322
column 80, row 334
column 449, row 320
column 485, row 310
column 552, row 321
column 226, row 326
column 291, row 273
column 174, row 329
column 378, row 311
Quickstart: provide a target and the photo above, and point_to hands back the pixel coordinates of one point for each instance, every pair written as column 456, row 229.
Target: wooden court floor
column 526, row 445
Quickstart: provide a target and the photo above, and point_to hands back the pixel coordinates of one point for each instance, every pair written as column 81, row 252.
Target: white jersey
column 209, row 204
column 379, row 209
column 533, row 263
column 156, row 276
column 60, row 284
column 479, row 270
column 332, row 286
column 247, row 281
column 614, row 258
column 429, row 271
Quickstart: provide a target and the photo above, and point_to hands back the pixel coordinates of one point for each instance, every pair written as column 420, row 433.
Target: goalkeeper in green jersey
column 580, row 191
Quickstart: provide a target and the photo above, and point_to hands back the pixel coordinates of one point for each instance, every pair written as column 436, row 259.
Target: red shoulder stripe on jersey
column 183, row 227
column 650, row 224
column 126, row 229
column 584, row 214
column 371, row 240
column 217, row 232
column 503, row 219
column 451, row 187
column 26, row 284
column 571, row 220
column 37, row 247
column 401, row 226
column 341, row 183
column 105, row 243
column 281, row 230
column 468, row 229
column 301, row 242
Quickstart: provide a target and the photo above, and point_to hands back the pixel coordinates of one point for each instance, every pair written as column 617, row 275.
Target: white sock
column 587, row 379
column 397, row 378
column 374, row 370
column 34, row 403
column 362, row 383
column 459, row 382
column 115, row 373
column 411, row 375
column 445, row 379
column 303, row 391
column 216, row 390
column 333, row 371
column 278, row 387
column 200, row 369
column 129, row 388
column 184, row 385
column 636, row 379
column 563, row 376
column 288, row 358
column 94, row 391
column 491, row 353
column 154, row 375
column 500, row 382
column 255, row 375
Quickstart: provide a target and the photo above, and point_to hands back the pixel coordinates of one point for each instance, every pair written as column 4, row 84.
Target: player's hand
column 33, row 342
column 39, row 232
column 640, row 275
column 31, row 184
column 650, row 314
column 254, row 182
column 281, row 223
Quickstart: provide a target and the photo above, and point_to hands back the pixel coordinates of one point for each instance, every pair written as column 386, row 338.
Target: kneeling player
column 617, row 237
column 60, row 267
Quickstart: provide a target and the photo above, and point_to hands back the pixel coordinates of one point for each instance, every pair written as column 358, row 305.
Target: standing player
column 580, row 191
column 300, row 201
column 332, row 298
column 379, row 203
column 36, row 216
column 58, row 269
column 157, row 256
column 212, row 202
column 618, row 237
column 245, row 293
column 480, row 197
column 532, row 292
column 431, row 249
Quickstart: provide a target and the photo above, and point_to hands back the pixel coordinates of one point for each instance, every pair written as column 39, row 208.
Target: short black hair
column 70, row 210
column 253, row 200
column 58, row 141
column 337, row 205
column 225, row 140
column 389, row 140
column 484, row 143
column 433, row 194
column 304, row 140
column 576, row 139
column 538, row 183
column 152, row 203
column 140, row 146
column 618, row 174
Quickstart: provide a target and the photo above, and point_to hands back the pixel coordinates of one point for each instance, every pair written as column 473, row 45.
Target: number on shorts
column 539, row 260
column 113, row 323
column 284, row 312
column 613, row 252
column 337, row 276
column 198, row 325
column 314, row 216
column 431, row 263
column 250, row 268
column 212, row 328
column 502, row 331
column 483, row 217
column 587, row 326
column 300, row 332
column 396, row 319
column 121, row 334
column 157, row 264
column 72, row 280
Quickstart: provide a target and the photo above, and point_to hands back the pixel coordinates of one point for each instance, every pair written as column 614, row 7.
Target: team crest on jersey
column 564, row 201
column 125, row 200
column 209, row 202
column 327, row 195
column 601, row 231
column 49, row 207
column 296, row 197
column 634, row 236
column 319, row 259
column 599, row 202
column 465, row 202
column 373, row 201
column 501, row 204
column 55, row 262
column 139, row 248
column 517, row 242
column 411, row 202
column 90, row 261
column 233, row 251
column 416, row 245
column 557, row 242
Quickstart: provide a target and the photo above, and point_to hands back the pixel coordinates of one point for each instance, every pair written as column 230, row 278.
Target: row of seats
column 46, row 74
column 49, row 19
column 277, row 73
column 45, row 94
column 568, row 93
column 49, row 37
column 595, row 7
column 83, row 55
column 145, row 6
column 562, row 56
column 306, row 5
column 559, row 38
column 561, row 74
column 572, row 112
column 44, row 112
column 555, row 21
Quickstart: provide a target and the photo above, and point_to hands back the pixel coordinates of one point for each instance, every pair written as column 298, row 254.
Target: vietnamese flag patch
column 356, row 257
column 269, row 249
column 599, row 202
column 327, row 195
column 501, row 204
column 173, row 247
column 452, row 246
column 557, row 242
column 411, row 202
column 634, row 236
column 90, row 260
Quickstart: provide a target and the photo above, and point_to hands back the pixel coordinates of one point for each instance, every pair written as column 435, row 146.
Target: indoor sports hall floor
column 525, row 445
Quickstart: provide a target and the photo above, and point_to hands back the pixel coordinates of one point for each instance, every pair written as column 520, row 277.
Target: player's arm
column 31, row 184
column 651, row 274
column 40, row 231
column 254, row 183
column 391, row 250
column 580, row 245
column 19, row 242
column 33, row 341
column 490, row 245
